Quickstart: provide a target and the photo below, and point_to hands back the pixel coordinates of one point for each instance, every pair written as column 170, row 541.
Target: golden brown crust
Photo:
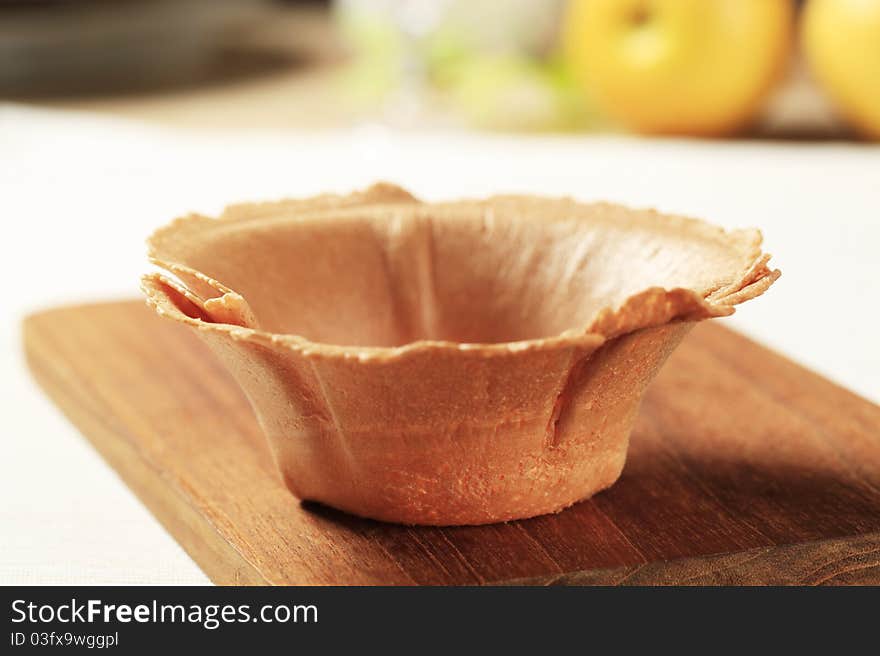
column 447, row 363
column 646, row 307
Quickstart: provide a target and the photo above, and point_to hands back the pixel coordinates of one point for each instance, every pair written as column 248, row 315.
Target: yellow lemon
column 699, row 67
column 841, row 40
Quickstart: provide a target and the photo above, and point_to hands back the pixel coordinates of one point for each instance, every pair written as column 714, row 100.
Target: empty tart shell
column 447, row 363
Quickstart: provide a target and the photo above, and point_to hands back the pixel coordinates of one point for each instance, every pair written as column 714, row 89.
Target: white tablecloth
column 78, row 195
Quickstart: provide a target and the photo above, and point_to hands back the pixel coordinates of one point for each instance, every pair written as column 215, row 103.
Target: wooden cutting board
column 743, row 468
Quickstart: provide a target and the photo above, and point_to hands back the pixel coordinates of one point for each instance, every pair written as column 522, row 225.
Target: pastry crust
column 447, row 363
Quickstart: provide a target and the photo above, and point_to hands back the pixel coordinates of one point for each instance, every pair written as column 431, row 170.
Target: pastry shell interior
column 447, row 363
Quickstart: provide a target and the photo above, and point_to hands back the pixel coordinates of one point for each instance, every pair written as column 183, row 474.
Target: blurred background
column 728, row 68
column 118, row 115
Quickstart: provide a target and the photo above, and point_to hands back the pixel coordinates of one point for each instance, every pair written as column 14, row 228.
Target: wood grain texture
column 840, row 561
column 743, row 468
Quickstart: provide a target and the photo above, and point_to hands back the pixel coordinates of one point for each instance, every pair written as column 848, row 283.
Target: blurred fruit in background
column 491, row 64
column 683, row 67
column 513, row 92
column 841, row 41
column 697, row 67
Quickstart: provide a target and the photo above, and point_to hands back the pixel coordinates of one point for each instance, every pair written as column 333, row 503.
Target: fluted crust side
column 493, row 353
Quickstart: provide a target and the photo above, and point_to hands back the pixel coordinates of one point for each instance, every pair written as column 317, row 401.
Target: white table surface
column 78, row 195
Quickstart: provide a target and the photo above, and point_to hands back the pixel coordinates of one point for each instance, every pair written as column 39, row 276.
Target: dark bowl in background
column 65, row 47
